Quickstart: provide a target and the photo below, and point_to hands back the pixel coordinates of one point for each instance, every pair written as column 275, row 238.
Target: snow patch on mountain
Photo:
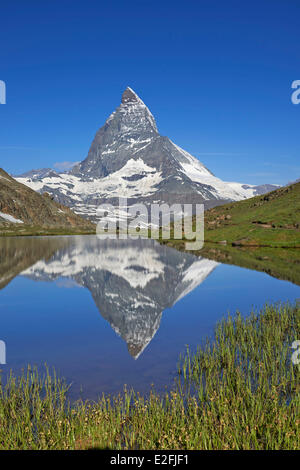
column 134, row 179
column 10, row 218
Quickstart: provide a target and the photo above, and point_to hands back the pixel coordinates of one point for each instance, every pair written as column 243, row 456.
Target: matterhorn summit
column 128, row 158
column 127, row 131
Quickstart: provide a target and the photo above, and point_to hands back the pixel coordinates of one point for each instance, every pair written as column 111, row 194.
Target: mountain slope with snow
column 23, row 207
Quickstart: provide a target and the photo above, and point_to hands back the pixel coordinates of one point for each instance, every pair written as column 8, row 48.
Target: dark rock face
column 131, row 282
column 129, row 96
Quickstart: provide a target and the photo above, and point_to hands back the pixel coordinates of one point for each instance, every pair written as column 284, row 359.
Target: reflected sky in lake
column 109, row 313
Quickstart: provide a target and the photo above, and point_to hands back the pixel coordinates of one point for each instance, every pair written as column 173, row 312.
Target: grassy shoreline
column 281, row 263
column 239, row 391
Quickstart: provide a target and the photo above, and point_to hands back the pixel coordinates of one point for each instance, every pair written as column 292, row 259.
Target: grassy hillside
column 272, row 219
column 245, row 234
column 269, row 220
column 39, row 213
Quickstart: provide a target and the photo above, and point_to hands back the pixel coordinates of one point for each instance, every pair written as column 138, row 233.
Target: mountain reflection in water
column 131, row 281
column 151, row 295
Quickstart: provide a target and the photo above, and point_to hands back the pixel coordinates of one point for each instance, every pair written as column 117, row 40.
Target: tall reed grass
column 239, row 391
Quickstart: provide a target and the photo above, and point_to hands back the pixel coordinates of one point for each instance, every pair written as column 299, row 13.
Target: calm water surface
column 109, row 313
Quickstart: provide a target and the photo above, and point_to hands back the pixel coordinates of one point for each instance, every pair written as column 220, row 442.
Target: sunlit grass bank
column 239, row 391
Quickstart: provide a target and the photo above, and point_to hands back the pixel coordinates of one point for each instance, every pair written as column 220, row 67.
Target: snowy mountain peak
column 127, row 130
column 129, row 158
column 129, row 96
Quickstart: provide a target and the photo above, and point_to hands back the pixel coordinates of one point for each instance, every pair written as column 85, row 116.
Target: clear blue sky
column 216, row 74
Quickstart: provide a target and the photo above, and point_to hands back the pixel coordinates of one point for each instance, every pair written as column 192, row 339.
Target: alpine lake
column 105, row 313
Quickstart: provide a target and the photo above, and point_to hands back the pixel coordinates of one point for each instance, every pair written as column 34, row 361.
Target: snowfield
column 10, row 218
